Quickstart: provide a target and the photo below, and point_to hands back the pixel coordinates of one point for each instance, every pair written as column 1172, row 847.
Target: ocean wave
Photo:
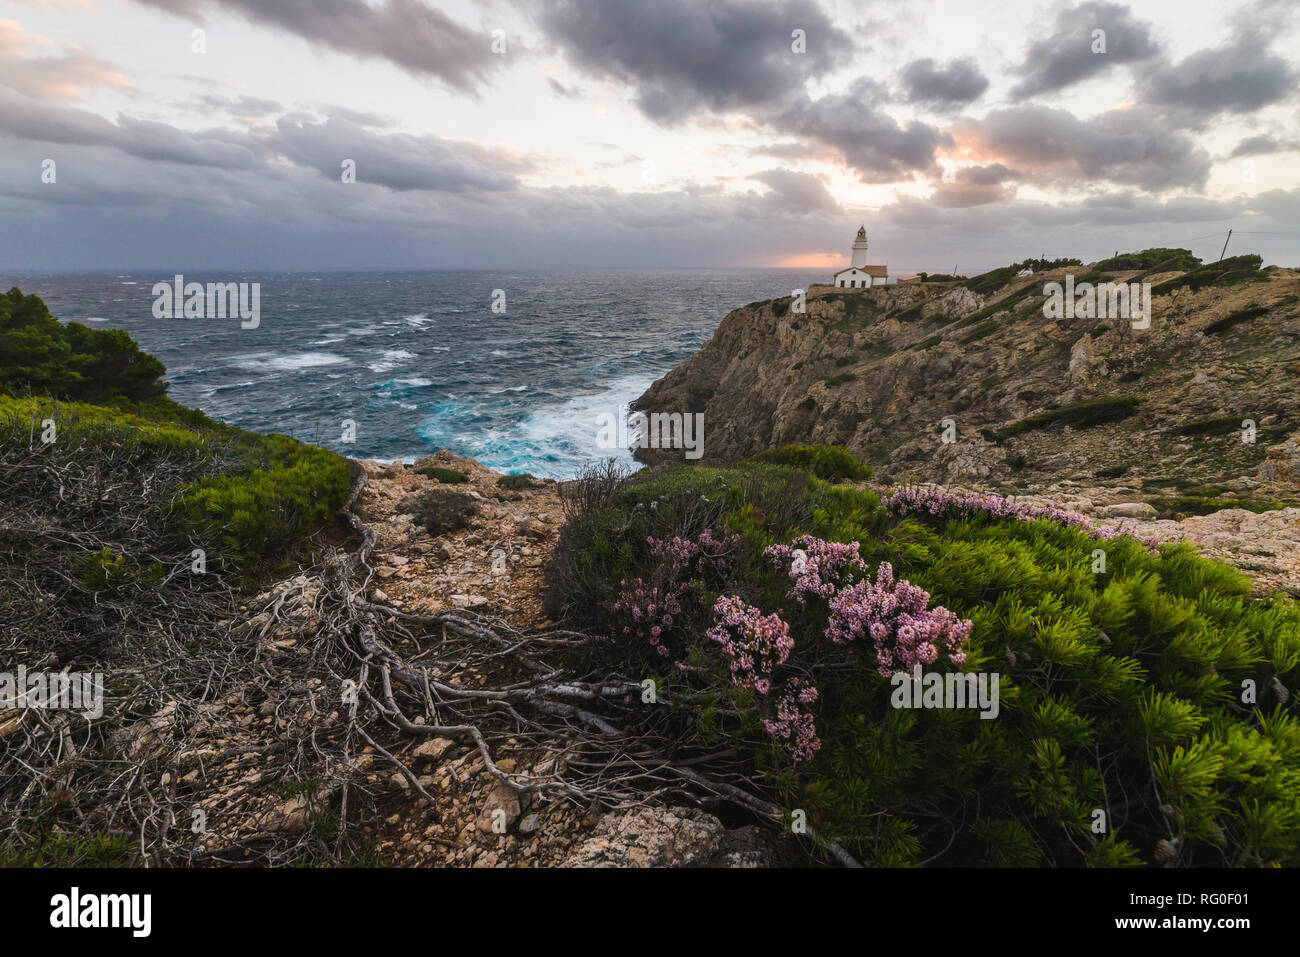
column 391, row 360
column 269, row 362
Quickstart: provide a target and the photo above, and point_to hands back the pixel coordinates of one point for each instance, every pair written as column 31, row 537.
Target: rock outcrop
column 880, row 370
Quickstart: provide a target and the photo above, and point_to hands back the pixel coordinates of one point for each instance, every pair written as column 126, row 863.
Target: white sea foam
column 270, row 362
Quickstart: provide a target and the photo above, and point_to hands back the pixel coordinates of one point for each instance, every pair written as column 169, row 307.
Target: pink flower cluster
column 756, row 643
column 940, row 502
column 655, row 605
column 816, row 566
column 895, row 617
column 794, row 723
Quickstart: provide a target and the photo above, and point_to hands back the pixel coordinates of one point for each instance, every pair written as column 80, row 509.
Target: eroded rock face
column 877, row 370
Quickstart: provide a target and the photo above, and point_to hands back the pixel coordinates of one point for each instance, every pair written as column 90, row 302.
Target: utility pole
column 1225, row 247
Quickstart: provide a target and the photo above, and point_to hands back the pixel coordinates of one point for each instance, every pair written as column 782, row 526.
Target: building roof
column 881, row 271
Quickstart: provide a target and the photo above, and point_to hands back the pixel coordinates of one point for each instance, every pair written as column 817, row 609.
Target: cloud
column 43, row 122
column 797, row 191
column 396, row 160
column 683, row 57
column 568, row 92
column 867, row 140
column 408, row 33
column 1263, row 145
column 958, row 83
column 1239, row 77
column 1053, row 147
column 68, row 76
column 1066, row 57
column 976, row 186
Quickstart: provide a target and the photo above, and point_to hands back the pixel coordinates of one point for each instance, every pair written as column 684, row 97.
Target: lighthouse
column 860, row 275
column 860, row 249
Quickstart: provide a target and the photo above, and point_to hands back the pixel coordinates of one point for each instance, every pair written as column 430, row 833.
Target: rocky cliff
column 1033, row 400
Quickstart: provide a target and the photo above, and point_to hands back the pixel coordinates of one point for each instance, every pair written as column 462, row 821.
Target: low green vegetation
column 1180, row 506
column 1163, row 259
column 1077, row 415
column 443, row 475
column 1225, row 272
column 1137, row 720
column 441, row 510
column 61, row 850
column 92, row 393
column 841, row 378
column 1235, row 319
column 518, row 482
column 832, row 463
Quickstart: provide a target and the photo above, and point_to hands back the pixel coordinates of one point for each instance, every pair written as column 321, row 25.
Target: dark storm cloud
column 1239, row 77
column 409, row 33
column 683, row 56
column 395, row 160
column 1054, row 147
column 872, row 143
column 1066, row 57
column 958, row 83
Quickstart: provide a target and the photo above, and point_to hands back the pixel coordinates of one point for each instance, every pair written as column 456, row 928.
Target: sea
column 518, row 370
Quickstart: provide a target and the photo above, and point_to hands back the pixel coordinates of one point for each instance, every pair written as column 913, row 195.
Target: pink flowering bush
column 942, row 503
column 816, row 567
column 793, row 726
column 754, row 643
column 655, row 606
column 896, row 618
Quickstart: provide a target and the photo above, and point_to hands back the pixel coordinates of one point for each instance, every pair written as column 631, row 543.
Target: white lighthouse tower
column 860, row 275
column 860, row 249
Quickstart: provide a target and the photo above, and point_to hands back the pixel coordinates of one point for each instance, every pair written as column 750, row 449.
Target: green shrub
column 1114, row 471
column 1078, row 415
column 829, row 462
column 59, row 850
column 987, row 282
column 518, row 482
column 1225, row 272
column 1235, row 318
column 1222, row 425
column 841, row 378
column 42, row 355
column 441, row 511
column 445, row 476
column 1120, row 692
column 1167, row 259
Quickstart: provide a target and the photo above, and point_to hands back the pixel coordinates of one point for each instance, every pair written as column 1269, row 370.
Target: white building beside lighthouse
column 860, row 275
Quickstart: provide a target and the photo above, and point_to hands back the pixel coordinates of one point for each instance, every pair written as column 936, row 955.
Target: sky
column 513, row 134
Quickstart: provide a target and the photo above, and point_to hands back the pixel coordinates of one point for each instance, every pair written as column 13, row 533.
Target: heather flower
column 816, row 567
column 896, row 618
column 938, row 502
column 755, row 643
column 794, row 726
